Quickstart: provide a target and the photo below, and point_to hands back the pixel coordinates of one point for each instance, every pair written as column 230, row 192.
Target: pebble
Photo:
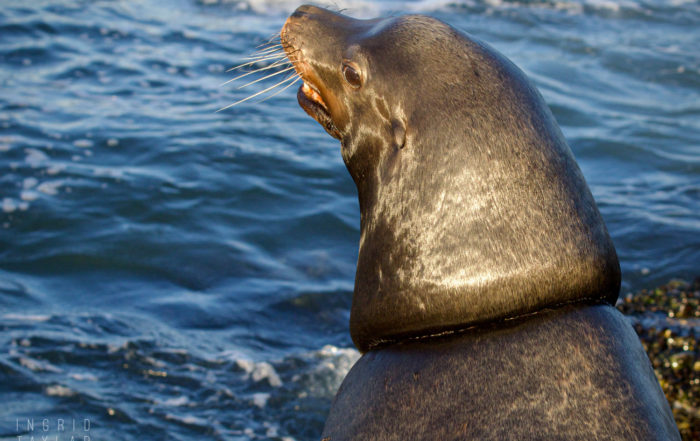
column 672, row 345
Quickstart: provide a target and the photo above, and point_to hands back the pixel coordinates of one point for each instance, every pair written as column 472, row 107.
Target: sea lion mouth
column 312, row 94
column 310, row 100
column 309, row 95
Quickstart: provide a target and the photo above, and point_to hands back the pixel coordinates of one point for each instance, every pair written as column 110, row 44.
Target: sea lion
column 477, row 226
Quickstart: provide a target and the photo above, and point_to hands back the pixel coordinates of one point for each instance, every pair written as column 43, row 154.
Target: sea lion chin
column 472, row 206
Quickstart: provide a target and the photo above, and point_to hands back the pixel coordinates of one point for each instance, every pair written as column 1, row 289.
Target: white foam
column 26, row 317
column 38, row 365
column 606, row 4
column 59, row 391
column 55, row 169
column 260, row 399
column 50, row 187
column 83, row 143
column 189, row 420
column 573, row 8
column 330, row 369
column 153, row 362
column 28, row 195
column 341, row 360
column 35, row 157
column 84, row 377
column 8, row 205
column 265, row 371
column 260, row 371
column 108, row 172
column 29, row 183
column 179, row 401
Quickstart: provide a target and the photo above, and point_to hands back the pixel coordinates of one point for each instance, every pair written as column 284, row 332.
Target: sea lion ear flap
column 399, row 131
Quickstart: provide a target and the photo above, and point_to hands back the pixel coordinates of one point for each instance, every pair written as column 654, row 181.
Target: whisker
column 274, row 51
column 271, row 57
column 265, row 54
column 283, row 89
column 292, row 55
column 273, row 65
column 278, row 53
column 258, row 93
column 273, row 37
column 276, row 47
column 267, row 76
column 268, row 45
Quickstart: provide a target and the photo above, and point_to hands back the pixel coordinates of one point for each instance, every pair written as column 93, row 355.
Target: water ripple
column 167, row 271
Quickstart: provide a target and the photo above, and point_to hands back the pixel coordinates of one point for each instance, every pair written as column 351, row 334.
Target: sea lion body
column 574, row 373
column 474, row 216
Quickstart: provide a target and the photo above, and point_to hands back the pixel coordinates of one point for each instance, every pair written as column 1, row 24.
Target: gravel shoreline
column 667, row 320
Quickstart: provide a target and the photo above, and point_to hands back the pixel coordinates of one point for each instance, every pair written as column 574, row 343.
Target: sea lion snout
column 310, row 16
column 305, row 10
column 302, row 10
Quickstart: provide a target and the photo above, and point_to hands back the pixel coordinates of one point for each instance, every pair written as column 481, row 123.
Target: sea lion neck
column 472, row 206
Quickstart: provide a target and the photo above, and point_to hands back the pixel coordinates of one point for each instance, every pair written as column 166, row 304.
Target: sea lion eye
column 352, row 76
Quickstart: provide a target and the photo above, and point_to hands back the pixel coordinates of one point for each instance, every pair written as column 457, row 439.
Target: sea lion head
column 472, row 206
column 345, row 63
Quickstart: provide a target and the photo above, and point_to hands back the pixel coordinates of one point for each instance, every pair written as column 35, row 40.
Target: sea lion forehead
column 400, row 32
column 333, row 24
column 406, row 48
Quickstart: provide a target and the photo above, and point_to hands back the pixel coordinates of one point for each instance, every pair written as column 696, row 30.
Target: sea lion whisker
column 279, row 63
column 292, row 54
column 273, row 37
column 272, row 40
column 267, row 76
column 277, row 52
column 270, row 47
column 274, row 54
column 271, row 57
column 256, row 94
column 282, row 60
column 284, row 88
column 264, row 53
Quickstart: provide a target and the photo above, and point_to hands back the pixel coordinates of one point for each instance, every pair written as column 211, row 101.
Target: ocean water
column 170, row 272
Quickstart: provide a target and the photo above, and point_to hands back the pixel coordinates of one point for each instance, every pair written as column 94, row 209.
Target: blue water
column 169, row 272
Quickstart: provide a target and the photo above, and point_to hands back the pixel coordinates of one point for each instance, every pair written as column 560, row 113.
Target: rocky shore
column 667, row 320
